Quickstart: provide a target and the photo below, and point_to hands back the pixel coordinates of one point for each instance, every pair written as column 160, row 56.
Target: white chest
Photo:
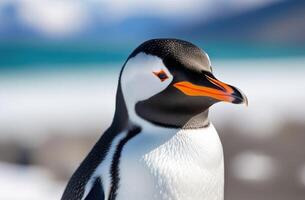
column 171, row 165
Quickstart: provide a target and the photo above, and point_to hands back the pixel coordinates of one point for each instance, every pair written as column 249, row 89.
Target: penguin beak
column 216, row 90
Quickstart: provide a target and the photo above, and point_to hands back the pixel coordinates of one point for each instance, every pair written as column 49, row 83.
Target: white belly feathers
column 172, row 165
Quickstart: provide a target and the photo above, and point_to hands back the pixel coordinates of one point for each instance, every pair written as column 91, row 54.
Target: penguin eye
column 161, row 75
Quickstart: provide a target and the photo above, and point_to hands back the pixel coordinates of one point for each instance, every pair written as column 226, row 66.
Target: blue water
column 30, row 55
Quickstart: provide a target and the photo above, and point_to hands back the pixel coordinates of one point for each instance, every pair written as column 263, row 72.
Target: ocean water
column 23, row 55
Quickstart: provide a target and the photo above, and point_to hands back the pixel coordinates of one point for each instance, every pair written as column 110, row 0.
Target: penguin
column 161, row 144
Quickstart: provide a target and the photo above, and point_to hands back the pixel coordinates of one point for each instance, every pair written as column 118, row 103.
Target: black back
column 97, row 191
column 76, row 185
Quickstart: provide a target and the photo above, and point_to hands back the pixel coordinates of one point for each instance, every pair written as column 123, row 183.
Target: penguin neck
column 200, row 120
column 171, row 116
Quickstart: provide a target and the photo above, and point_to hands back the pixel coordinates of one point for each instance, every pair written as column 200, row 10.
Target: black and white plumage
column 160, row 144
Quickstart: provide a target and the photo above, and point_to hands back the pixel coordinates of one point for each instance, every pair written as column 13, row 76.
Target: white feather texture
column 171, row 164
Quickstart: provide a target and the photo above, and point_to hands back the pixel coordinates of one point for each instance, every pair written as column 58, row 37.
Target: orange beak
column 225, row 92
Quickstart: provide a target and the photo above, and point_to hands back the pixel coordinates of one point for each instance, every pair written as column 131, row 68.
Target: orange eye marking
column 161, row 75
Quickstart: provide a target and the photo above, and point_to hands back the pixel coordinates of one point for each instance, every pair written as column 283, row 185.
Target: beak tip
column 240, row 97
column 245, row 100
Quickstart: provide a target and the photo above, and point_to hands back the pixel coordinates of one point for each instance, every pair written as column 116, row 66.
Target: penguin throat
column 198, row 121
column 173, row 119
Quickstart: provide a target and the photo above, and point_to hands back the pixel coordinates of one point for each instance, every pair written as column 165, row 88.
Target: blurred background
column 59, row 66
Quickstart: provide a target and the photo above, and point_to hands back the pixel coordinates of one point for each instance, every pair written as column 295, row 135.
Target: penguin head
column 169, row 82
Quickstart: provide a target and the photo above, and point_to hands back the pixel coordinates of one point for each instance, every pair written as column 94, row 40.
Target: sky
column 56, row 18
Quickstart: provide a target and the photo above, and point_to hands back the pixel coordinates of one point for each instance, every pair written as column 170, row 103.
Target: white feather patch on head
column 139, row 82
